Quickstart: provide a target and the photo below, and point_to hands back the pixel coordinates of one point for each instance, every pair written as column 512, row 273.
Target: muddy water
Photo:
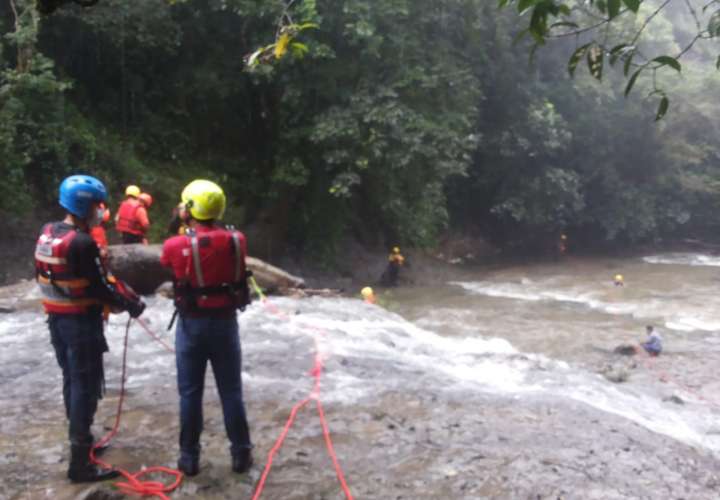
column 485, row 386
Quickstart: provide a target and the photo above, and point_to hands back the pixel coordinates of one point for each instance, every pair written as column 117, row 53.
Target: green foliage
column 620, row 29
column 400, row 119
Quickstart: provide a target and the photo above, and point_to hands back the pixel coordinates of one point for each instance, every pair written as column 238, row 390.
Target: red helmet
column 146, row 199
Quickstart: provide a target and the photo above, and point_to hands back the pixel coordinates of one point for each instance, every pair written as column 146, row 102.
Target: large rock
column 139, row 266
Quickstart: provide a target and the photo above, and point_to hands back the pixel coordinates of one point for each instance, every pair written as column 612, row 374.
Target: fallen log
column 139, row 266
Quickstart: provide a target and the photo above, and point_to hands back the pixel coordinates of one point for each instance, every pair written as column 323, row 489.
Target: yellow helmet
column 204, row 199
column 619, row 277
column 132, row 191
column 396, row 250
column 366, row 292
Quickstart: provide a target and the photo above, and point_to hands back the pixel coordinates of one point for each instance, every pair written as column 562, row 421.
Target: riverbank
column 466, row 400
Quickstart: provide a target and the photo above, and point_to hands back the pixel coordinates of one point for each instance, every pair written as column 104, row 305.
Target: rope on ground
column 133, row 484
column 314, row 395
column 649, row 362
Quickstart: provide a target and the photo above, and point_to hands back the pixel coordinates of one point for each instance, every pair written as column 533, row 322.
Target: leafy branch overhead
column 610, row 33
column 285, row 40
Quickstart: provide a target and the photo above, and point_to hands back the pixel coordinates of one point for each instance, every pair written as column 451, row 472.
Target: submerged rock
column 626, row 350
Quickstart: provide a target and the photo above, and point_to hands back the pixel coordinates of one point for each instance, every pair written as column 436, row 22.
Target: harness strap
column 196, row 261
column 238, row 256
column 58, row 261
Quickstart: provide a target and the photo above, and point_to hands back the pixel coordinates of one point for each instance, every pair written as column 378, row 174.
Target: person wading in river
column 210, row 284
column 75, row 287
column 392, row 273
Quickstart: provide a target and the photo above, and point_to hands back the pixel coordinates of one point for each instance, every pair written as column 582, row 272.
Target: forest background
column 392, row 122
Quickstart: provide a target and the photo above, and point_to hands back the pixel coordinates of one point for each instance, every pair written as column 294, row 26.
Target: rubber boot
column 189, row 466
column 82, row 471
column 242, row 461
column 100, row 450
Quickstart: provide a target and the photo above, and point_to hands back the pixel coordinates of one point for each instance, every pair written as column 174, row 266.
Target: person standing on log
column 98, row 232
column 210, row 284
column 76, row 287
column 131, row 220
column 147, row 200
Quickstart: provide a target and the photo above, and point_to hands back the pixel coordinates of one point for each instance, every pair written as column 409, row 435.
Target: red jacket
column 98, row 234
column 209, row 267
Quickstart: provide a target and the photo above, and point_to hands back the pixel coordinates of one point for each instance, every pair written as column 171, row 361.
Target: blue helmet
column 79, row 192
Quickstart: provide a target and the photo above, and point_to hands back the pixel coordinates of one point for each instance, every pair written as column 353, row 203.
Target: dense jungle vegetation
column 387, row 121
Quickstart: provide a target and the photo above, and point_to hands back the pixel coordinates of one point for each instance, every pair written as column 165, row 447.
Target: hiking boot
column 100, row 450
column 189, row 466
column 82, row 471
column 241, row 462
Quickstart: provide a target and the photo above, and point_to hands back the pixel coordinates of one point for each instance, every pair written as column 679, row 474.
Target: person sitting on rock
column 653, row 345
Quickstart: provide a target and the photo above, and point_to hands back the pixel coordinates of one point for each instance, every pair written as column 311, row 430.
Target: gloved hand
column 136, row 308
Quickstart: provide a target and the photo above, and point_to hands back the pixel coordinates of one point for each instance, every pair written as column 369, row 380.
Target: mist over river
column 490, row 384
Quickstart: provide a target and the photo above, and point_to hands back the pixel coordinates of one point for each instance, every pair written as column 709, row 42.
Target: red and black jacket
column 71, row 274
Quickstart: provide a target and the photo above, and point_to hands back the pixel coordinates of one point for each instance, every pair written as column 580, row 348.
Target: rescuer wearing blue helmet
column 76, row 287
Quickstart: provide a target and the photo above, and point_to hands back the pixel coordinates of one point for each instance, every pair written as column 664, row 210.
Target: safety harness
column 187, row 294
column 62, row 292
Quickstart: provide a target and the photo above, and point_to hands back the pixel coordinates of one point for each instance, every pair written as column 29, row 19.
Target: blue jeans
column 79, row 345
column 197, row 341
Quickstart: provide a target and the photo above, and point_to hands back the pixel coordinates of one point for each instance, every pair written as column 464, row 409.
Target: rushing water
column 483, row 365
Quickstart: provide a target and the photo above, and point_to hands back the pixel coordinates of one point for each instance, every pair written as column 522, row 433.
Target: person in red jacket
column 131, row 220
column 98, row 232
column 75, row 287
column 210, row 282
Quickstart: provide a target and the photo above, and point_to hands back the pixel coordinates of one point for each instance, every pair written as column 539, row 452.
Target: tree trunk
column 139, row 266
column 26, row 18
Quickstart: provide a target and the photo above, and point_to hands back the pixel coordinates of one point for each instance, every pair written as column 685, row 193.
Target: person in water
column 562, row 245
column 653, row 344
column 619, row 280
column 368, row 295
column 396, row 261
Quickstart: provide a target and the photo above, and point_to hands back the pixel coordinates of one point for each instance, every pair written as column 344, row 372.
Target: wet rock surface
column 435, row 448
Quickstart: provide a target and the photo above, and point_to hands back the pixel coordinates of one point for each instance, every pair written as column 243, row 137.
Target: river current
column 465, row 389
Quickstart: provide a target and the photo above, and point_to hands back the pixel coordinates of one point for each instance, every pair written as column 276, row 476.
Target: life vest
column 396, row 258
column 63, row 292
column 214, row 274
column 127, row 217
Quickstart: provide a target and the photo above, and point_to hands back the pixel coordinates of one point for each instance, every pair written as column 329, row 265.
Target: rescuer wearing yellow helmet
column 368, row 295
column 132, row 220
column 392, row 273
column 619, row 280
column 210, row 284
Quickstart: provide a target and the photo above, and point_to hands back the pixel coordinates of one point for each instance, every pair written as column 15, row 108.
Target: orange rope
column 314, row 395
column 133, row 484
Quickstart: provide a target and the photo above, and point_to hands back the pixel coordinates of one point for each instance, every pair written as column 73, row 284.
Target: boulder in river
column 626, row 350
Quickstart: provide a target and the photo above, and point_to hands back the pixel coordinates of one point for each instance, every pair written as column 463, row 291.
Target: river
column 488, row 384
